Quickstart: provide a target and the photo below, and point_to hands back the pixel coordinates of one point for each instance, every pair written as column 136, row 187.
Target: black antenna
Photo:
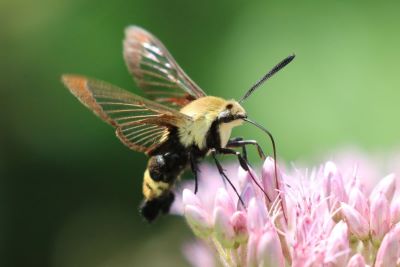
column 274, row 70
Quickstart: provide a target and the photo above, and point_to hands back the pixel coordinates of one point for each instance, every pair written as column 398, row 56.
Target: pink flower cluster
column 320, row 218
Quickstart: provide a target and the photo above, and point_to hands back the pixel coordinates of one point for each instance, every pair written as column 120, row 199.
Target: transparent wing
column 155, row 70
column 140, row 124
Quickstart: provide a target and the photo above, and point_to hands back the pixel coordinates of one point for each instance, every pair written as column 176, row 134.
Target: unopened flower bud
column 269, row 179
column 248, row 192
column 387, row 185
column 256, row 215
column 224, row 201
column 273, row 186
column 379, row 218
column 395, row 210
column 243, row 177
column 197, row 220
column 358, row 201
column 251, row 176
column 188, row 198
column 223, row 229
column 239, row 223
column 195, row 215
column 356, row 223
column 199, row 255
column 389, row 250
column 251, row 259
column 269, row 250
column 338, row 245
column 356, row 261
column 334, row 188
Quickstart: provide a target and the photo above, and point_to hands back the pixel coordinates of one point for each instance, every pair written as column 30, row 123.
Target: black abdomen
column 164, row 167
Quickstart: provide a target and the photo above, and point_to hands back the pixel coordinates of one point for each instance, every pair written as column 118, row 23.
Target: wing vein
column 149, row 136
column 159, row 84
column 125, row 110
column 170, row 77
column 141, row 130
column 141, row 133
column 133, row 127
column 119, row 103
column 137, row 117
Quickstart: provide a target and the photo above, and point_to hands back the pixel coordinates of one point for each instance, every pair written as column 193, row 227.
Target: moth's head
column 232, row 112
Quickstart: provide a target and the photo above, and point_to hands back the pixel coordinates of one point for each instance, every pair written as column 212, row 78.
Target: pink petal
column 303, row 228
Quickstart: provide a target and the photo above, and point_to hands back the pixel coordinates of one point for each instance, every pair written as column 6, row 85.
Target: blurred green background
column 69, row 190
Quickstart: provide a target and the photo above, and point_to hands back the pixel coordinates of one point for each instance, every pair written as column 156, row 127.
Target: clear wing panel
column 155, row 71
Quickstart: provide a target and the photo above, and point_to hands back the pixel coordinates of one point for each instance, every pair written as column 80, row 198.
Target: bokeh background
column 69, row 190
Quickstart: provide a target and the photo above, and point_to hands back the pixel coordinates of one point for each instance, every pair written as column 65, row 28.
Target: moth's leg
column 228, row 151
column 233, row 143
column 223, row 175
column 240, row 142
column 243, row 163
column 195, row 170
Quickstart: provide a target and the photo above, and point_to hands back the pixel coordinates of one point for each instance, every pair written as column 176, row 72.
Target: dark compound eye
column 229, row 106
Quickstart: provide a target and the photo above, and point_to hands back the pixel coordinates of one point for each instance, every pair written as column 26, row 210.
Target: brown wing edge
column 78, row 86
column 133, row 146
column 132, row 59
